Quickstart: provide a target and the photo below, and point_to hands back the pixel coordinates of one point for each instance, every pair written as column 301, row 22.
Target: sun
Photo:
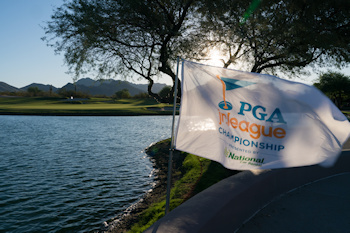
column 216, row 58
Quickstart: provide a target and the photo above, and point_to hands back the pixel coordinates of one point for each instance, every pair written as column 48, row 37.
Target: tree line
column 63, row 93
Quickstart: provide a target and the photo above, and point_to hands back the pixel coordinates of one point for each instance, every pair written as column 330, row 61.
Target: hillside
column 106, row 87
column 4, row 87
column 157, row 87
column 42, row 87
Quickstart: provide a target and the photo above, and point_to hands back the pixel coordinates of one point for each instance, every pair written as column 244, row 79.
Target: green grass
column 91, row 106
column 347, row 114
column 197, row 174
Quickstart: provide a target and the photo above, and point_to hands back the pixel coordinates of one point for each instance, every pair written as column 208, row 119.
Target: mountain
column 88, row 82
column 40, row 87
column 106, row 87
column 109, row 87
column 156, row 88
column 4, row 87
column 103, row 88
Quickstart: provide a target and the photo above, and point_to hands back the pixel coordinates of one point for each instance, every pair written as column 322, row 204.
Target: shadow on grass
column 215, row 173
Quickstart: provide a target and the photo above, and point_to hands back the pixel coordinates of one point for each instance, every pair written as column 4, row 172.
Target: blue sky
column 25, row 58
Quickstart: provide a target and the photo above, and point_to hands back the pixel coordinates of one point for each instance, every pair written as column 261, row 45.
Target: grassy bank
column 347, row 114
column 91, row 106
column 191, row 175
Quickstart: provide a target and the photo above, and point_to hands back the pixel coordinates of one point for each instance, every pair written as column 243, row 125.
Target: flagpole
column 168, row 187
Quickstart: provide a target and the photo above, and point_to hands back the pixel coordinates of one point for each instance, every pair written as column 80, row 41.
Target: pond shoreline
column 158, row 154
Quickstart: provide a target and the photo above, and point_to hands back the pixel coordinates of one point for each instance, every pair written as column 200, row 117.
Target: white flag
column 253, row 121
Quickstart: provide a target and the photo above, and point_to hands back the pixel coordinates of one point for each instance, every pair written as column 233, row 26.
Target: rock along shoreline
column 158, row 154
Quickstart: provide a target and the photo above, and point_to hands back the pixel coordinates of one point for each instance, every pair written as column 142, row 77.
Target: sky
column 26, row 59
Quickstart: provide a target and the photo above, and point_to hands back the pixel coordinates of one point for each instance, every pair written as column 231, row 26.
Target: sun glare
column 216, row 58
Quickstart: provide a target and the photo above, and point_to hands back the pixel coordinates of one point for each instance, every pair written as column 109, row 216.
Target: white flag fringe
column 253, row 121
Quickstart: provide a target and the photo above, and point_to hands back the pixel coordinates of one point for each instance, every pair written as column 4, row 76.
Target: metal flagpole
column 168, row 187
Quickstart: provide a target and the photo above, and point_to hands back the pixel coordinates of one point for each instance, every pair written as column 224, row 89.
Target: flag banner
column 249, row 121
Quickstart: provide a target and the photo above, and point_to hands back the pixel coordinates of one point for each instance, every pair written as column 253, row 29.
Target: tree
column 34, row 91
column 122, row 94
column 113, row 37
column 165, row 92
column 72, row 93
column 144, row 37
column 143, row 95
column 335, row 85
column 275, row 36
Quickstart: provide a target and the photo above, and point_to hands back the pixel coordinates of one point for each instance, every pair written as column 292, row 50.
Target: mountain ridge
column 90, row 86
column 4, row 87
